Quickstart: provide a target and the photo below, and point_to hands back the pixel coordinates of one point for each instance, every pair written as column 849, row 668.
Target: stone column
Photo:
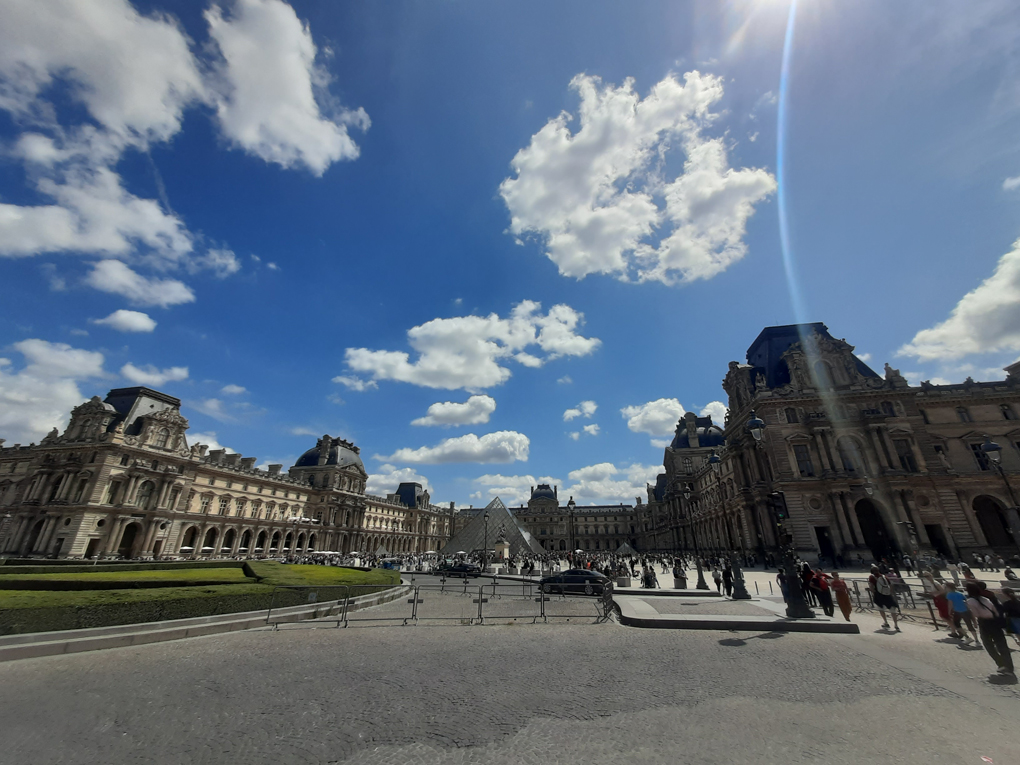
column 972, row 521
column 111, row 545
column 837, row 513
column 823, row 462
column 150, row 537
column 855, row 522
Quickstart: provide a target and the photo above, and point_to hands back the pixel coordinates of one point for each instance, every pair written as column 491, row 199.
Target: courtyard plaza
column 567, row 691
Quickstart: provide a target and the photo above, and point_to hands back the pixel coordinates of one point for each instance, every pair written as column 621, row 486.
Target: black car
column 575, row 580
column 459, row 569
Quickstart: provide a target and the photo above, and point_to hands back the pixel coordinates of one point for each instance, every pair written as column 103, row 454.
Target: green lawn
column 235, row 582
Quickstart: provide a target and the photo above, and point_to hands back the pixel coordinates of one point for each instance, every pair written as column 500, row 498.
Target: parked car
column 576, row 580
column 459, row 569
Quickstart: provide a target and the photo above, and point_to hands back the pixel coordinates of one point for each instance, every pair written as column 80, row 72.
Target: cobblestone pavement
column 548, row 693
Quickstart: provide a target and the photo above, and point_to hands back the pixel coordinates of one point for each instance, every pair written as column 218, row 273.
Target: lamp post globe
column 715, row 462
column 756, row 427
column 992, row 450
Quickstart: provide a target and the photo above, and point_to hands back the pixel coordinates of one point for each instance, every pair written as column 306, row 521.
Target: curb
column 823, row 625
column 36, row 644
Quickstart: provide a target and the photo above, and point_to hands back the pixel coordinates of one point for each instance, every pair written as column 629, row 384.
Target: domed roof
column 339, row 453
column 543, row 491
column 708, row 435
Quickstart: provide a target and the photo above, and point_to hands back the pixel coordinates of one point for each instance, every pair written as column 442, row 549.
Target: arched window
column 688, row 465
column 850, row 455
column 162, row 437
column 888, row 409
column 791, row 415
column 963, row 414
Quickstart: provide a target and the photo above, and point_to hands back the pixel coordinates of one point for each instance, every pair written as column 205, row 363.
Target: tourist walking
column 882, row 596
column 820, row 585
column 991, row 626
column 717, row 577
column 727, row 580
column 842, row 592
column 1011, row 610
column 961, row 613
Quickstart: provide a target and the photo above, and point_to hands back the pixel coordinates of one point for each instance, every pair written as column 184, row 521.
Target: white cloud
column 565, row 380
column 661, row 443
column 221, row 262
column 584, row 409
column 591, row 196
column 1011, row 183
column 209, row 439
column 386, row 478
column 462, row 352
column 267, row 84
column 233, row 390
column 355, row 383
column 657, row 418
column 605, row 483
column 865, row 357
column 591, row 430
column 512, row 489
column 987, row 319
column 574, row 435
column 301, row 430
column 40, row 395
column 213, row 407
column 116, row 277
column 716, row 410
column 475, row 411
column 128, row 321
column 150, row 375
column 501, row 446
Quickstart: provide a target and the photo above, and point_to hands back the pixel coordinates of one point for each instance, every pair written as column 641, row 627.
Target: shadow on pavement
column 736, row 642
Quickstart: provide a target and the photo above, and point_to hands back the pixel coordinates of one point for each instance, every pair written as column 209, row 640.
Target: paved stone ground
column 548, row 694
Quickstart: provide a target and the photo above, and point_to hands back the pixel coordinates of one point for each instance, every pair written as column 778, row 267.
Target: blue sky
column 492, row 244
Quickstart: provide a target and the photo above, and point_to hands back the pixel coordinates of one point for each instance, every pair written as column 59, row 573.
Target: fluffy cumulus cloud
column 1010, row 184
column 131, row 77
column 115, row 277
column 591, row 430
column 604, row 483
column 40, row 395
column 584, row 409
column 386, row 478
column 150, row 375
column 467, row 351
column 657, row 418
column 716, row 410
column 355, row 383
column 511, row 489
column 233, row 390
column 267, row 82
column 475, row 411
column 987, row 319
column 499, row 447
column 128, row 321
column 597, row 200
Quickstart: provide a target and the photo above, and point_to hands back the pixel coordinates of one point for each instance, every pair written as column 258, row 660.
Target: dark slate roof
column 708, row 435
column 409, row 494
column 659, row 492
column 767, row 349
column 543, row 491
column 501, row 521
column 341, row 454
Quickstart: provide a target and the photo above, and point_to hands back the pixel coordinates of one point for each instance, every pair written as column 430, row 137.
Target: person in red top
column 839, row 586
column 820, row 586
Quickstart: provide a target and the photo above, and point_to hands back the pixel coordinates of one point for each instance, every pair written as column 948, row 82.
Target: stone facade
column 564, row 528
column 122, row 482
column 866, row 463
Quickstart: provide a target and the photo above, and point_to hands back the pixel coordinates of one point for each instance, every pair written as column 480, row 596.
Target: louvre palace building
column 859, row 463
column 122, row 482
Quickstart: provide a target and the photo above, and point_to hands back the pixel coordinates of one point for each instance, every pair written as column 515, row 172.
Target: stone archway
column 301, row 542
column 189, row 540
column 228, row 541
column 877, row 537
column 127, row 539
column 245, row 545
column 275, row 543
column 992, row 517
column 33, row 537
column 311, row 542
column 209, row 543
column 260, row 542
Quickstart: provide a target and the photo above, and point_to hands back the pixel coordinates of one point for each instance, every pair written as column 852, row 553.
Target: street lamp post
column 796, row 606
column 485, row 542
column 739, row 588
column 994, row 453
column 570, row 518
column 702, row 584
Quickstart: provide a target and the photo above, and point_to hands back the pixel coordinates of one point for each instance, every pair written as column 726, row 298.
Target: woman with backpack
column 991, row 626
column 882, row 596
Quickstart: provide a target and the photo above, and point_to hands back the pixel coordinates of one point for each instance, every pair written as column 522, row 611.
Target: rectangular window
column 212, row 481
column 240, row 508
column 1007, row 412
column 230, row 484
column 256, row 509
column 205, row 504
column 224, row 505
column 803, row 456
column 906, row 454
column 924, row 416
column 980, row 456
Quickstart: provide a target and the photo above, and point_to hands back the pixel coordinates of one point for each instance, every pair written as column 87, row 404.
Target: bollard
column 770, row 589
column 756, row 589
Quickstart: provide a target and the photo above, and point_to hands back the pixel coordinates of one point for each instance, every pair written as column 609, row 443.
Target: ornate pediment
column 169, row 417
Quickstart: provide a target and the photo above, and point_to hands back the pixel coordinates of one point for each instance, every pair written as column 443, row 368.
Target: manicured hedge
column 86, row 568
column 80, row 585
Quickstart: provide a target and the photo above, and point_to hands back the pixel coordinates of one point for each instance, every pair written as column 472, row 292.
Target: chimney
column 556, row 492
column 216, row 456
column 248, row 463
column 202, row 448
column 274, row 469
column 231, row 459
